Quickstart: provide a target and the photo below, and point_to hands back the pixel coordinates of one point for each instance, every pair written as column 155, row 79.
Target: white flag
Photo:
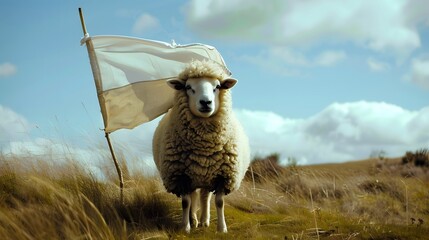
column 130, row 76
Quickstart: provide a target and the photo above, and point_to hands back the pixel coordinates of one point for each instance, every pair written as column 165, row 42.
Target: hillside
column 369, row 199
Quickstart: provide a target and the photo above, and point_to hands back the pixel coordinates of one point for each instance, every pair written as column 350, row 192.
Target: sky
column 319, row 81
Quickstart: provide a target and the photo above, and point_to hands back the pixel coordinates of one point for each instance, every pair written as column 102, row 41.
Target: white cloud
column 286, row 55
column 17, row 143
column 383, row 26
column 54, row 153
column 420, row 72
column 12, row 125
column 7, row 69
column 330, row 58
column 295, row 58
column 286, row 62
column 340, row 132
column 136, row 146
column 93, row 157
column 272, row 63
column 144, row 23
column 377, row 66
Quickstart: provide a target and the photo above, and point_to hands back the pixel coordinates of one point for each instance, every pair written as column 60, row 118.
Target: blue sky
column 321, row 81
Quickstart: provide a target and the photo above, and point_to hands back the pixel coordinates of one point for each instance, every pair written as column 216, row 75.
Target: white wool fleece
column 192, row 152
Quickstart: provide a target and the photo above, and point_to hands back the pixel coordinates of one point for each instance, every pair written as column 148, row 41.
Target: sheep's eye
column 217, row 87
column 188, row 87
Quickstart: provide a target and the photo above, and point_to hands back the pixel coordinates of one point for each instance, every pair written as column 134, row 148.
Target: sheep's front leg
column 186, row 207
column 194, row 209
column 205, row 207
column 221, row 224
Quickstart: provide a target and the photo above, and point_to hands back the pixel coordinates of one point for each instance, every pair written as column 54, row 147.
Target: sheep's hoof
column 205, row 224
column 194, row 223
column 187, row 228
column 222, row 230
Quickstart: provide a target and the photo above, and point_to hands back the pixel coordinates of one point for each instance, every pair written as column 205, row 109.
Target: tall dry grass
column 361, row 200
column 43, row 201
column 368, row 198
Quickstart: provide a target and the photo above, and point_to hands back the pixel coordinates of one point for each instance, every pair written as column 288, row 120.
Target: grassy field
column 371, row 199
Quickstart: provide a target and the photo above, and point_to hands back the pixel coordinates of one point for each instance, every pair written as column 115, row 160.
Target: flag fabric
column 130, row 76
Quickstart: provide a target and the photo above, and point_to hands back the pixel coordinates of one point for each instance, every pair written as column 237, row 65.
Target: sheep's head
column 203, row 93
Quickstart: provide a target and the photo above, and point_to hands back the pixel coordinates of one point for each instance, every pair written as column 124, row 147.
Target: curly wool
column 197, row 69
column 199, row 153
column 192, row 152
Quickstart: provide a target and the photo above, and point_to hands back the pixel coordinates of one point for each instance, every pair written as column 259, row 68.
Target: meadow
column 378, row 198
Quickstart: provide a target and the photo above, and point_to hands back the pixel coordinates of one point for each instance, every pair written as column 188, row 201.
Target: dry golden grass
column 356, row 200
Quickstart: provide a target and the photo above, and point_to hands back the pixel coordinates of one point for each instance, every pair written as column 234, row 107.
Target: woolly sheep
column 199, row 146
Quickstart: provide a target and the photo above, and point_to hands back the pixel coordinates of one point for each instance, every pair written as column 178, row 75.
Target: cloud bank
column 13, row 126
column 287, row 62
column 18, row 142
column 340, row 132
column 382, row 26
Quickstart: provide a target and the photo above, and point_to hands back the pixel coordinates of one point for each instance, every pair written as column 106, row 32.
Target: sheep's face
column 203, row 93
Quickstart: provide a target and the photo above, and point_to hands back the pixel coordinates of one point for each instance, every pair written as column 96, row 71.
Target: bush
column 408, row 158
column 378, row 187
column 265, row 168
column 420, row 158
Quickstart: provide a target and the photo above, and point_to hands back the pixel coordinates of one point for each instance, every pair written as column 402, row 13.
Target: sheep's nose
column 205, row 103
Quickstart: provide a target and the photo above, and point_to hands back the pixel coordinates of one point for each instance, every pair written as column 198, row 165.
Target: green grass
column 358, row 200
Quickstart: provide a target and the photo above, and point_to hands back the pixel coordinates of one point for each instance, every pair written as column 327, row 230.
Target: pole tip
column 82, row 21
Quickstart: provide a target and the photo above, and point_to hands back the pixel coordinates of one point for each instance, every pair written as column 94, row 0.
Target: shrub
column 377, row 187
column 265, row 168
column 408, row 158
column 420, row 158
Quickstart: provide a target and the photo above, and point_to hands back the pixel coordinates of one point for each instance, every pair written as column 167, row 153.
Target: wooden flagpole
column 118, row 167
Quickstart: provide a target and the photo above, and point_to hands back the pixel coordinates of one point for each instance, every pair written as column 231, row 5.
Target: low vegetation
column 371, row 199
column 419, row 158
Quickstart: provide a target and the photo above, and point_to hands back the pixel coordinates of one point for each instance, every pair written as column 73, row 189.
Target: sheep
column 199, row 147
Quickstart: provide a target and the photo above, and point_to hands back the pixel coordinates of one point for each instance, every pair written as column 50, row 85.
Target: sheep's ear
column 228, row 83
column 176, row 84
